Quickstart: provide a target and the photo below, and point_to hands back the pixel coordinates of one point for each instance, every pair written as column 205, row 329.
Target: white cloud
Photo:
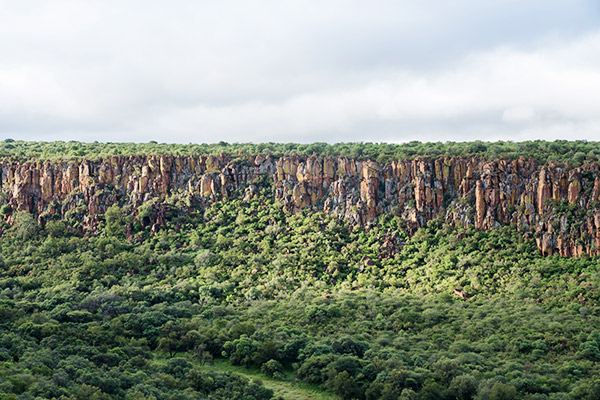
column 518, row 114
column 505, row 91
column 292, row 71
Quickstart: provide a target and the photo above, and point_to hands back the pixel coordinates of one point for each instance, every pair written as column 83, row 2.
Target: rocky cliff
column 556, row 204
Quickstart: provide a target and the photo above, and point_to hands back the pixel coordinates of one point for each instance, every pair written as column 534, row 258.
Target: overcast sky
column 284, row 70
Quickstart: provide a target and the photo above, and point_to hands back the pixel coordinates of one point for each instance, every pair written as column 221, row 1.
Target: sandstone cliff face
column 465, row 192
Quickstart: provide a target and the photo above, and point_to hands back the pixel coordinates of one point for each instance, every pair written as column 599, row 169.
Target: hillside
column 429, row 276
column 554, row 202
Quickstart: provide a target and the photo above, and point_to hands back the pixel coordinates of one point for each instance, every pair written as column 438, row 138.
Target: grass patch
column 288, row 389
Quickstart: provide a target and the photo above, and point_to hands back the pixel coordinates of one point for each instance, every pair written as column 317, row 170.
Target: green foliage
column 115, row 225
column 273, row 369
column 25, row 226
column 574, row 152
column 5, row 210
column 101, row 316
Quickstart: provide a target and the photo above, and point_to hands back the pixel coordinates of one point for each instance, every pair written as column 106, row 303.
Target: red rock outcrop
column 464, row 192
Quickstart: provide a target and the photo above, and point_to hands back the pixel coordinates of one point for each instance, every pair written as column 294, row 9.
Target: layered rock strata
column 556, row 203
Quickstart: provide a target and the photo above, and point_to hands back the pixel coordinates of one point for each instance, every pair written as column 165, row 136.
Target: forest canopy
column 573, row 152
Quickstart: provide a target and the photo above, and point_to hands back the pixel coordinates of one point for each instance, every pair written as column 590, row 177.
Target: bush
column 273, row 369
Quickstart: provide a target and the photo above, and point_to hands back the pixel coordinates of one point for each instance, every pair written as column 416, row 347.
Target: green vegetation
column 284, row 386
column 244, row 301
column 573, row 152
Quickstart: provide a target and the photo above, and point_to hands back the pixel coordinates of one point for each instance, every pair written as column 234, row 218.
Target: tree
column 273, row 369
column 491, row 390
column 171, row 339
column 345, row 386
column 25, row 226
column 58, row 229
column 463, row 387
column 204, row 258
column 115, row 225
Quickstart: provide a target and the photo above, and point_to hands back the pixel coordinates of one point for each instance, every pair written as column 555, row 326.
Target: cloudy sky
column 299, row 70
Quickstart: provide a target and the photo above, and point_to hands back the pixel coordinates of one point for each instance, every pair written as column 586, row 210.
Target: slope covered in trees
column 442, row 312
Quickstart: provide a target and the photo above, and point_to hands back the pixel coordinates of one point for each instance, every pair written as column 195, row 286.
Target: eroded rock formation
column 465, row 192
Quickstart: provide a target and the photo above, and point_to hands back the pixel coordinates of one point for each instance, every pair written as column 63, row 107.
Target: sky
column 201, row 71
